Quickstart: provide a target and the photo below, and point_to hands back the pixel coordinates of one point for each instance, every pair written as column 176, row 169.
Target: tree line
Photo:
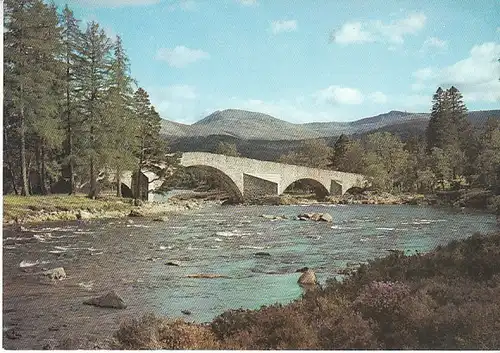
column 72, row 112
column 451, row 154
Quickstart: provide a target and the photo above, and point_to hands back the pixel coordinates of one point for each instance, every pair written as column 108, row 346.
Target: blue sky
column 305, row 60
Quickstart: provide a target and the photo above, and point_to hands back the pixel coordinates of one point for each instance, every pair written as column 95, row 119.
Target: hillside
column 243, row 125
column 264, row 137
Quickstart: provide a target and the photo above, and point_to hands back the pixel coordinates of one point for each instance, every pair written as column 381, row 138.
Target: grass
column 20, row 207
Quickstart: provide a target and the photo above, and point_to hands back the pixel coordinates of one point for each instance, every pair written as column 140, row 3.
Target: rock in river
column 324, row 217
column 206, row 275
column 307, row 277
column 55, row 273
column 261, row 253
column 109, row 300
column 173, row 263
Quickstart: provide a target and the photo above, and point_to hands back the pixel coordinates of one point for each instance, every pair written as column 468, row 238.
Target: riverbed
column 129, row 256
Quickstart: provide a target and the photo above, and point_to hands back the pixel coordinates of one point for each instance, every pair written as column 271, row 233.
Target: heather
column 445, row 299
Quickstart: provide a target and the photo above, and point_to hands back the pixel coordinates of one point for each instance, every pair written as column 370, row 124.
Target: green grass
column 21, row 206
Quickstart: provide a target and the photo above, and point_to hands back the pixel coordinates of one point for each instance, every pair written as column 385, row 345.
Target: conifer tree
column 31, row 48
column 93, row 66
column 119, row 110
column 150, row 149
column 71, row 41
column 339, row 152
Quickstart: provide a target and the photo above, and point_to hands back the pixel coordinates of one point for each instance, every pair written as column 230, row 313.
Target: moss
column 64, row 207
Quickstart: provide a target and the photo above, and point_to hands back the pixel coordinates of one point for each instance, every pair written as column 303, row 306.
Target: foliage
column 227, row 149
column 311, row 153
column 69, row 110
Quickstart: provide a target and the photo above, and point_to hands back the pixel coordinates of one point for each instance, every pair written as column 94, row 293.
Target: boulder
column 268, row 216
column 308, row 277
column 326, row 217
column 261, row 253
column 160, row 219
column 173, row 263
column 109, row 300
column 135, row 213
column 55, row 273
column 83, row 215
column 306, row 215
column 186, row 312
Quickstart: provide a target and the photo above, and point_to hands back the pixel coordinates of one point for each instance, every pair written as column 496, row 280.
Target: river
column 130, row 258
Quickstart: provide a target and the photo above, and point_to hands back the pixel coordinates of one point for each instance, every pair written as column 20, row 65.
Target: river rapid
column 130, row 258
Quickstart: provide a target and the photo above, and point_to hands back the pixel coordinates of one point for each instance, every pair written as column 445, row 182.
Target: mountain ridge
column 248, row 125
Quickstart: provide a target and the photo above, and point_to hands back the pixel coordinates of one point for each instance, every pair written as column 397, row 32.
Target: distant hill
column 241, row 124
column 264, row 137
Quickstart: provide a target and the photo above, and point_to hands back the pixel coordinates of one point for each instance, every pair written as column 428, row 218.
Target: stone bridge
column 251, row 178
column 248, row 178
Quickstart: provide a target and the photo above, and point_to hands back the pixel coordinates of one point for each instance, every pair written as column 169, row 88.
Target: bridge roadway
column 251, row 178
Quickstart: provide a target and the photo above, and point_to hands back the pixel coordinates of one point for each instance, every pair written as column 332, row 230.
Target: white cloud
column 115, row 3
column 284, row 26
column 424, row 74
column 184, row 5
column 181, row 56
column 371, row 31
column 475, row 76
column 248, row 2
column 340, row 95
column 378, row 97
column 434, row 43
column 175, row 102
column 352, row 32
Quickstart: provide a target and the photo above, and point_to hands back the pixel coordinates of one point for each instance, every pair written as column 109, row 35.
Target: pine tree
column 150, row 149
column 438, row 124
column 31, row 47
column 72, row 41
column 339, row 152
column 93, row 66
column 119, row 110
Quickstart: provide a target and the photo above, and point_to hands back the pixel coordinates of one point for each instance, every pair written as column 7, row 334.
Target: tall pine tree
column 93, row 67
column 31, row 48
column 72, row 42
column 119, row 110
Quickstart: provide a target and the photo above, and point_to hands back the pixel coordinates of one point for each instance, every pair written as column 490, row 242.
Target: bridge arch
column 224, row 181
column 320, row 190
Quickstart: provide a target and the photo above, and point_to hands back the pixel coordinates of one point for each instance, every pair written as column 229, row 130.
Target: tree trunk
column 93, row 180
column 69, row 151
column 43, row 180
column 93, row 176
column 118, row 183
column 25, row 190
column 138, row 193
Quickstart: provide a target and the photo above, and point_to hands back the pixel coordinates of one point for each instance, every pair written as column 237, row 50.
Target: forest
column 74, row 117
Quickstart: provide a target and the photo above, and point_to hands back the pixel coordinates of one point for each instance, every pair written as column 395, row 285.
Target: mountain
column 246, row 125
column 241, row 124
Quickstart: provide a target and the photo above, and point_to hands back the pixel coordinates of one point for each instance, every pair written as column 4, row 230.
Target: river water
column 130, row 258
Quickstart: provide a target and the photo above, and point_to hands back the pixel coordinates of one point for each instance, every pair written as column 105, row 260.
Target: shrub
column 159, row 333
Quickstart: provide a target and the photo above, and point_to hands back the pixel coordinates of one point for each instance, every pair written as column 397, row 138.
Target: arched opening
column 307, row 187
column 204, row 180
column 126, row 191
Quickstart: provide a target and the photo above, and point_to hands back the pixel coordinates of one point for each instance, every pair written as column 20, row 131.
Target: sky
column 304, row 60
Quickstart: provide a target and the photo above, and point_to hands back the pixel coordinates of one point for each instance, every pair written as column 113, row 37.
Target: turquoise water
column 224, row 241
column 130, row 257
